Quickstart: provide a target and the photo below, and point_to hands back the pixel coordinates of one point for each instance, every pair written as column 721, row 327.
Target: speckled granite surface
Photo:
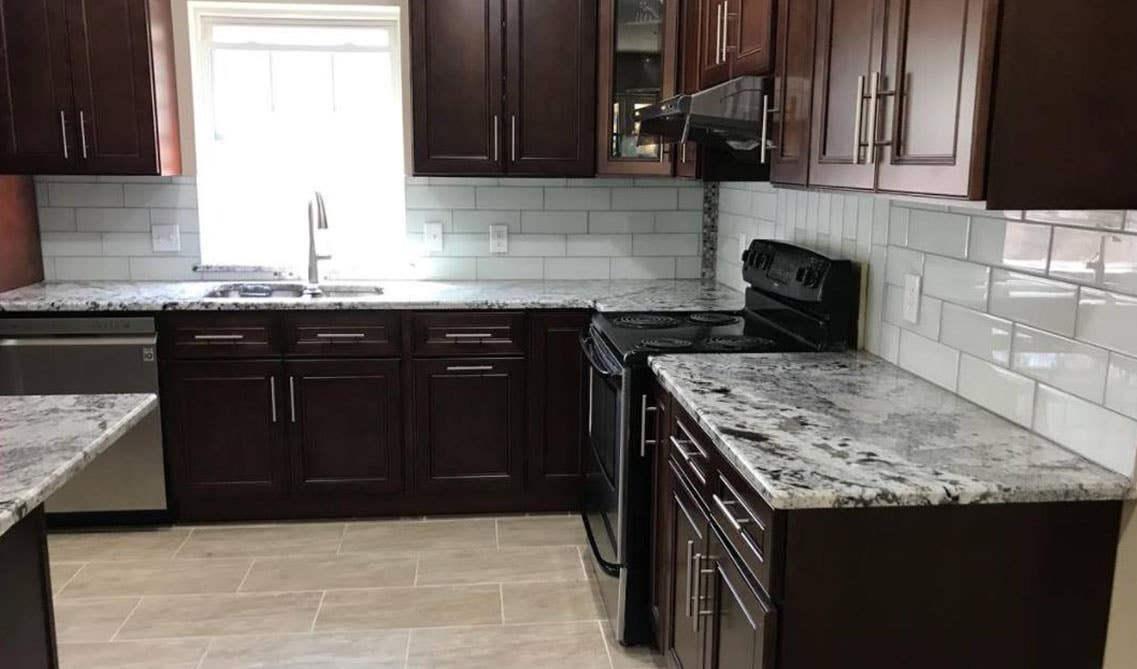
column 95, row 296
column 46, row 440
column 851, row 430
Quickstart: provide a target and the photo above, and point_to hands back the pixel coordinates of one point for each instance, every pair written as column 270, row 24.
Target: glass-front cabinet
column 637, row 63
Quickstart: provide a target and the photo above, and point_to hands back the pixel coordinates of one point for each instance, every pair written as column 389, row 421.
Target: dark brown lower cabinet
column 27, row 617
column 741, row 620
column 345, row 432
column 469, row 424
column 689, row 539
column 224, row 428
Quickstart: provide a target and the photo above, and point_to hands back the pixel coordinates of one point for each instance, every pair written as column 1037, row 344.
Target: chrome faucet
column 317, row 220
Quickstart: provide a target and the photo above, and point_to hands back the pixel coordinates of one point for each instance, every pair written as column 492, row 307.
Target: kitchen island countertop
column 45, row 440
column 812, row 430
column 606, row 296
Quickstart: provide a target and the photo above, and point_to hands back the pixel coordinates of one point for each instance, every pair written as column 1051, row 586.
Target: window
column 289, row 105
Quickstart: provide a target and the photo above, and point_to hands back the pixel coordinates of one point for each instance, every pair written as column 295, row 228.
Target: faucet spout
column 317, row 220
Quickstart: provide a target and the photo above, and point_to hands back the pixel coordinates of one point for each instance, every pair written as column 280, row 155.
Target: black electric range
column 797, row 300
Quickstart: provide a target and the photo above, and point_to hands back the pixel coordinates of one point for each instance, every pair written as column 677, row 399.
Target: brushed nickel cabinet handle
column 718, row 34
column 874, row 90
column 690, row 574
column 218, row 337
column 700, row 571
column 736, row 523
column 468, row 335
column 63, row 133
column 513, row 137
column 858, row 118
column 341, row 335
column 292, row 397
column 83, row 132
column 470, row 368
column 272, row 395
column 496, row 138
column 765, row 127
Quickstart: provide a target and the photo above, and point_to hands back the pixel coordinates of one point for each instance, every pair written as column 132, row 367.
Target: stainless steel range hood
column 730, row 116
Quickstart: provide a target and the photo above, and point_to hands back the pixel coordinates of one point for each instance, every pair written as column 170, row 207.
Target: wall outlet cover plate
column 432, row 237
column 499, row 239
column 166, row 238
column 912, row 298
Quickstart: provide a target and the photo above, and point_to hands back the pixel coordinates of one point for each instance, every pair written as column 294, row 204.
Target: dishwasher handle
column 28, row 342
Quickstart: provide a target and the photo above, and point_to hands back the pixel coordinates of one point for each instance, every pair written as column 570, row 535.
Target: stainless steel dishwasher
column 68, row 356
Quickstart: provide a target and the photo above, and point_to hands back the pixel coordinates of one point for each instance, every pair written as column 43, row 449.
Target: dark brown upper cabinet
column 736, row 38
column 504, row 86
column 638, row 64
column 955, row 99
column 88, row 87
column 789, row 115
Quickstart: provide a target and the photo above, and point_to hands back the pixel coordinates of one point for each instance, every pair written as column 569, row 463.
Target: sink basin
column 268, row 291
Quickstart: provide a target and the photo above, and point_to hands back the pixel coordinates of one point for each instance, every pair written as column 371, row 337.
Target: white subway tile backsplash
column 178, row 196
column 417, row 217
column 890, row 342
column 1120, row 260
column 1108, row 319
column 186, row 219
column 849, row 216
column 492, row 197
column 508, row 269
column 734, row 200
column 1050, row 305
column 84, row 195
column 679, row 221
column 555, row 222
column 600, row 245
column 444, row 269
column 976, row 333
column 665, row 245
column 127, row 244
column 641, row 199
column 578, row 199
column 56, row 219
column 91, row 269
column 470, row 220
column 956, row 281
column 1063, row 363
column 643, row 268
column 938, row 232
column 928, row 324
column 1121, row 385
column 765, row 206
column 1093, row 431
column 1004, row 392
column 530, row 182
column 545, row 246
column 898, row 226
column 71, row 244
column 112, row 220
column 901, row 263
column 1019, row 246
column 163, row 268
column 1085, row 219
column 933, row 361
column 1077, row 255
column 603, row 222
column 688, row 267
column 577, row 268
column 440, row 197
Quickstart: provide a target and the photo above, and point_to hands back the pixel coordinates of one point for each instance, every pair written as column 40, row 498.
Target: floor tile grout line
column 125, row 620
column 244, row 578
column 205, row 654
column 407, row 653
column 418, row 561
column 343, row 538
column 182, row 545
column 497, row 534
column 319, row 606
column 501, row 596
column 69, row 580
column 604, row 640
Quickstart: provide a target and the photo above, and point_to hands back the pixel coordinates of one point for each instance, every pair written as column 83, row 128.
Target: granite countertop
column 851, row 430
column 46, row 440
column 631, row 295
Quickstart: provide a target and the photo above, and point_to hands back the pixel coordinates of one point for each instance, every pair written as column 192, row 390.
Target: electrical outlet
column 912, row 298
column 432, row 237
column 499, row 239
column 166, row 238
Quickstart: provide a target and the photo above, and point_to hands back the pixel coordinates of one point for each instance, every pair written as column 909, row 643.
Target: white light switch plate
column 912, row 298
column 432, row 237
column 499, row 239
column 166, row 238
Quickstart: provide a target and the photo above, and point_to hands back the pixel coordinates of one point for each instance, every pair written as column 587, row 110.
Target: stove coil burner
column 646, row 321
column 712, row 318
column 738, row 343
column 666, row 343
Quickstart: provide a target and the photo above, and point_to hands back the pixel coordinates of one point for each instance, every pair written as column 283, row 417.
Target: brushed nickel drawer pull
column 83, row 132
column 736, row 523
column 218, row 337
column 468, row 335
column 63, row 133
column 292, row 396
column 858, row 119
column 341, row 335
column 272, row 395
column 690, row 574
column 470, row 368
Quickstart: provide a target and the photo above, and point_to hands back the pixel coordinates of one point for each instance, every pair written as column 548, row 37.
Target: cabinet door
column 456, row 54
column 551, row 90
column 557, row 408
column 848, row 49
column 793, row 91
column 114, row 97
column 714, row 59
column 638, row 56
column 937, row 59
column 37, row 123
column 742, row 632
column 750, row 37
column 345, row 432
column 688, row 546
column 224, row 428
column 469, row 424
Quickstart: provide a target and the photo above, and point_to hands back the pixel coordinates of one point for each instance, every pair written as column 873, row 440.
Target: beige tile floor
column 500, row 593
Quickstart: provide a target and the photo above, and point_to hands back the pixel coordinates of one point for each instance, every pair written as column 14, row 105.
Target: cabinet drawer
column 469, row 333
column 690, row 450
column 747, row 522
column 215, row 335
column 342, row 334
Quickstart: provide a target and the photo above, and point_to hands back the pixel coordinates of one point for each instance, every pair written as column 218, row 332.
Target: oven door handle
column 609, row 568
column 588, row 346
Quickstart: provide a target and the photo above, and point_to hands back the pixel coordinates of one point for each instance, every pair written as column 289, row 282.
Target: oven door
column 603, row 474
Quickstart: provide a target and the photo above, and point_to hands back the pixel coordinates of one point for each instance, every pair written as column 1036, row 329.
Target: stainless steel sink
column 268, row 291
